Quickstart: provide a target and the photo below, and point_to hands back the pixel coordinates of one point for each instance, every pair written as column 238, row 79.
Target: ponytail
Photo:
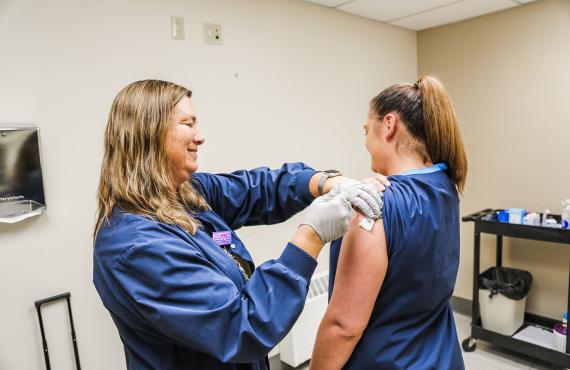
column 425, row 109
column 443, row 137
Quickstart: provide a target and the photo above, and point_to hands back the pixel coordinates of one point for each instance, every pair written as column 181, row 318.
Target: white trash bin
column 502, row 299
column 501, row 314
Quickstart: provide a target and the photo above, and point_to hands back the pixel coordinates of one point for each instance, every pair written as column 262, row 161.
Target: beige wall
column 509, row 76
column 291, row 82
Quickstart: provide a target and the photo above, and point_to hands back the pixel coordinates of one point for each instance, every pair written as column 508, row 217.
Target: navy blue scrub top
column 412, row 325
column 179, row 301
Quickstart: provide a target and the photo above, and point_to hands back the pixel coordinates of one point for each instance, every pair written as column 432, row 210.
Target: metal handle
column 38, row 304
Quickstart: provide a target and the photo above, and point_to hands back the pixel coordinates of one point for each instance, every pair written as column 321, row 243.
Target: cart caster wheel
column 469, row 344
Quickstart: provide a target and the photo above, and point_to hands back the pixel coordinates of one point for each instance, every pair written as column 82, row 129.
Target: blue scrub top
column 179, row 301
column 412, row 325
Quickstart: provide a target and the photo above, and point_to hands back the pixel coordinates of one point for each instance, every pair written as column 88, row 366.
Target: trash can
column 502, row 298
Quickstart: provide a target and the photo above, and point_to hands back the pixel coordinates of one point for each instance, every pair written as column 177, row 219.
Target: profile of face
column 182, row 141
column 378, row 131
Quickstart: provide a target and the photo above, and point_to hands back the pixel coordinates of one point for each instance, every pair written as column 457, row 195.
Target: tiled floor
column 486, row 357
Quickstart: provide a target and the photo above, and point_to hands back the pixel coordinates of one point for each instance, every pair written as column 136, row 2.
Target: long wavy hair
column 136, row 175
column 426, row 110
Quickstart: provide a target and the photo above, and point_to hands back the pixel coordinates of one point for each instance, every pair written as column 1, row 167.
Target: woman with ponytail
column 390, row 287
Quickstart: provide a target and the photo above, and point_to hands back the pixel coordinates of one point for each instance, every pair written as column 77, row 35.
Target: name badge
column 222, row 237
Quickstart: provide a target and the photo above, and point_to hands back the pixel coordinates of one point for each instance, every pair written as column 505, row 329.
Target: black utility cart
column 486, row 222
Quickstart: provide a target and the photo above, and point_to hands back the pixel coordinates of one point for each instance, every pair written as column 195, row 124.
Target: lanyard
column 435, row 168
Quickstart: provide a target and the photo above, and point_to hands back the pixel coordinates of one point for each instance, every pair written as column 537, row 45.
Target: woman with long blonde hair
column 178, row 282
column 390, row 289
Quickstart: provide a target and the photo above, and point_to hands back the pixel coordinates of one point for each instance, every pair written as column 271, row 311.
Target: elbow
column 347, row 329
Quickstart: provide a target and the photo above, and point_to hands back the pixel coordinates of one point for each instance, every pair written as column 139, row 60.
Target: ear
column 390, row 125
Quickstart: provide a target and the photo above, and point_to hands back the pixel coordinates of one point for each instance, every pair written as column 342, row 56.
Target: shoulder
column 125, row 233
column 397, row 197
column 410, row 200
column 126, row 226
column 408, row 192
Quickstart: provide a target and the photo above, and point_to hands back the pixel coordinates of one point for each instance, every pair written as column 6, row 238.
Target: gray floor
column 486, row 357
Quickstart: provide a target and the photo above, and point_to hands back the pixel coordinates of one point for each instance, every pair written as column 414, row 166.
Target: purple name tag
column 222, row 237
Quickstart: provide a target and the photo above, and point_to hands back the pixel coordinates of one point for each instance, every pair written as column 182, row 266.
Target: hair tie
column 417, row 84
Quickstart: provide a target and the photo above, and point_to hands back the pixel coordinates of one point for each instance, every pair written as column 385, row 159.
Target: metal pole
column 499, row 250
column 73, row 338
column 476, row 261
column 44, row 342
column 568, row 312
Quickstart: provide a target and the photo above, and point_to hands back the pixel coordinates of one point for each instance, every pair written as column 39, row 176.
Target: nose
column 199, row 139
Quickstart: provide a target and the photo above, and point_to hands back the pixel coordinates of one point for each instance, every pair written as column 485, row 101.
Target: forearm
column 307, row 239
column 333, row 346
column 332, row 181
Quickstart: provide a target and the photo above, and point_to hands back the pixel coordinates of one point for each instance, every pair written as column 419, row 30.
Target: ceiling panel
column 333, row 3
column 453, row 13
column 388, row 10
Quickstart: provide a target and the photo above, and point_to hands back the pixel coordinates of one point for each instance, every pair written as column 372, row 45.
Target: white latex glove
column 329, row 215
column 366, row 198
column 380, row 181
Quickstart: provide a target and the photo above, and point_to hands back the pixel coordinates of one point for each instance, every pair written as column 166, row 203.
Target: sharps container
column 502, row 298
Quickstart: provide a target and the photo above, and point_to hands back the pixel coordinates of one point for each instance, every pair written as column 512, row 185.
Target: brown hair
column 135, row 173
column 427, row 113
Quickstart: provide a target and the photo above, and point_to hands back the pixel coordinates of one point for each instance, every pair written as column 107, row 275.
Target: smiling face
column 182, row 141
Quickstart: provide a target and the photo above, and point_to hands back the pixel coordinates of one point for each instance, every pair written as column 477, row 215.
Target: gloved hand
column 330, row 214
column 378, row 180
column 366, row 198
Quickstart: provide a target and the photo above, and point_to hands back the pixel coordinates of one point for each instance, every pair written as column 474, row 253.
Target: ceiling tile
column 333, row 3
column 453, row 13
column 388, row 10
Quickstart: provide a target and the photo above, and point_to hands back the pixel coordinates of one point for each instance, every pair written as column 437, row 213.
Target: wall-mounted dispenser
column 21, row 181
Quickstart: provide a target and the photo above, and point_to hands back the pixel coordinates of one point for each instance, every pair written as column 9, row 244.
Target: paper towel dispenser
column 21, row 180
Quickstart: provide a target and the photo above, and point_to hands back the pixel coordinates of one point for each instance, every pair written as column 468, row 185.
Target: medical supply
column 366, row 224
column 516, row 215
column 532, row 219
column 548, row 222
column 559, row 333
column 565, row 215
column 545, row 216
column 503, row 216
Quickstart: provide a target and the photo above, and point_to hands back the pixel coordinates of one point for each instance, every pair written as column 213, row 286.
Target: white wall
column 291, row 82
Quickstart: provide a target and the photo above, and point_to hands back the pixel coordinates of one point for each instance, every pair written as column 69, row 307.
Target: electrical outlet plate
column 177, row 28
column 213, row 34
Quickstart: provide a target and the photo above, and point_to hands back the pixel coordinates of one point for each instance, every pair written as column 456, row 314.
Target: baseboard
column 461, row 305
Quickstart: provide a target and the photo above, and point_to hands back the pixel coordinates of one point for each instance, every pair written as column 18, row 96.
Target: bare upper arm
column 359, row 276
